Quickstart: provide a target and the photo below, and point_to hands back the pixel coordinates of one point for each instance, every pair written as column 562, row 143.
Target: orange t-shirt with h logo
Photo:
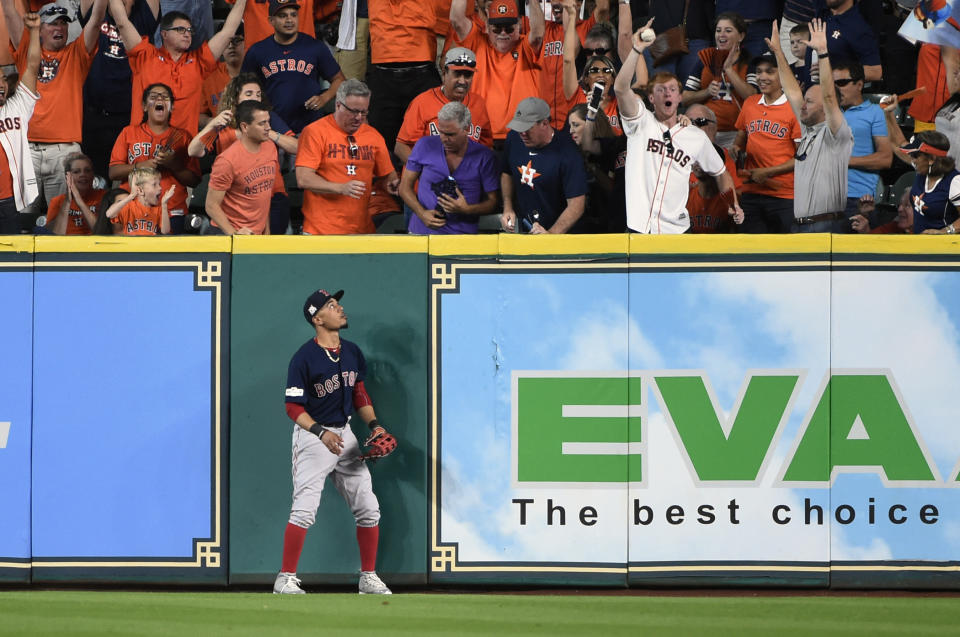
column 326, row 149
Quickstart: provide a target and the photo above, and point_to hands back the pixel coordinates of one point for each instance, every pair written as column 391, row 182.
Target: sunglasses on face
column 700, row 122
column 606, row 70
column 353, row 148
column 502, row 28
column 843, row 81
column 180, row 30
column 597, row 51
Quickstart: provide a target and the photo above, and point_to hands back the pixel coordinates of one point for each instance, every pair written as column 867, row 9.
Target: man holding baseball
column 661, row 150
column 324, row 391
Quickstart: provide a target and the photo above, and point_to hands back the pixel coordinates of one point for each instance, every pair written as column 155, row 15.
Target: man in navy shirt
column 849, row 37
column 292, row 65
column 544, row 182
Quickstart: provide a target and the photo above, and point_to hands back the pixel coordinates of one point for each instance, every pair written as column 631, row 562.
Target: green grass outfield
column 35, row 613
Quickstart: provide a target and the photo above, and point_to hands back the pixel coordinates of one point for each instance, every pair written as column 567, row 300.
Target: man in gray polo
column 820, row 170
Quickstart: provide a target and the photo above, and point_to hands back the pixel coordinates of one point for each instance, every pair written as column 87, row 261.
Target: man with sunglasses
column 292, row 67
column 820, row 170
column 508, row 66
column 872, row 150
column 56, row 127
column 174, row 63
column 339, row 160
column 706, row 205
column 661, row 151
column 420, row 120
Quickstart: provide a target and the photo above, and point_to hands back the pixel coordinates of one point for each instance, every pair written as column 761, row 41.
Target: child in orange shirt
column 138, row 214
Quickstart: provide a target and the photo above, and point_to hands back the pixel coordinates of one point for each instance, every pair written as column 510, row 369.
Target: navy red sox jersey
column 933, row 209
column 291, row 75
column 323, row 382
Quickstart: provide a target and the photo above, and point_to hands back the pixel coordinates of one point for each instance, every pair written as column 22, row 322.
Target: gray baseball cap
column 51, row 12
column 460, row 58
column 529, row 112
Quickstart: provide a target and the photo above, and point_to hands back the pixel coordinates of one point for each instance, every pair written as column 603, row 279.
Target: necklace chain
column 329, row 355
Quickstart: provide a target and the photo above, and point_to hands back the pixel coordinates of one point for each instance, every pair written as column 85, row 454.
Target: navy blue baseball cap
column 316, row 301
column 276, row 5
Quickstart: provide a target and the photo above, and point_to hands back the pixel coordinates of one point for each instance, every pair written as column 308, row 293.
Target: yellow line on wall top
column 49, row 244
column 349, row 244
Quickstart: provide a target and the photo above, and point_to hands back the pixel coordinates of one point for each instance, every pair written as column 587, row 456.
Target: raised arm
column 538, row 25
column 32, row 68
column 458, row 19
column 831, row 105
column 571, row 46
column 219, row 41
column 91, row 31
column 14, row 22
column 624, row 28
column 791, row 88
column 627, row 100
column 601, row 12
column 951, row 63
column 128, row 33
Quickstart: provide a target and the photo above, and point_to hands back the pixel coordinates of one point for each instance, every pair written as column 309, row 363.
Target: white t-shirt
column 657, row 182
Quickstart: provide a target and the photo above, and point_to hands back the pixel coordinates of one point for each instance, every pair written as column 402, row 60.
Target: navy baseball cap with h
column 276, row 5
column 316, row 301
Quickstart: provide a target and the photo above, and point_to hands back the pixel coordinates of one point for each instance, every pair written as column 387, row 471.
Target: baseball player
column 324, row 389
column 661, row 151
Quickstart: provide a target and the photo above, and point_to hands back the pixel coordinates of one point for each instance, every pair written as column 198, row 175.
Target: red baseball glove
column 379, row 445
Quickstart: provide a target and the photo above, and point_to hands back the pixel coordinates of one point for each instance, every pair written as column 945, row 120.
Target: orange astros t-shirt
column 76, row 224
column 213, row 87
column 771, row 129
column 420, row 119
column 248, row 179
column 551, row 64
column 324, row 148
column 503, row 80
column 184, row 76
column 58, row 116
column 137, row 220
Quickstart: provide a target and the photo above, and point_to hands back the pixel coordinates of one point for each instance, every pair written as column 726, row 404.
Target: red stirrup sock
column 293, row 539
column 367, row 539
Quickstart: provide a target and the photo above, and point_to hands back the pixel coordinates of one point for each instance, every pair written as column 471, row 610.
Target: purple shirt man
column 476, row 176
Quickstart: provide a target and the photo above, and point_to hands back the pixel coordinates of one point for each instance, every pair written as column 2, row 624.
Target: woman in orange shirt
column 723, row 82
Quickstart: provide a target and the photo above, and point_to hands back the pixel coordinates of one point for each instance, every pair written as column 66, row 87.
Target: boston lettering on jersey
column 332, row 384
column 766, row 126
column 290, row 64
column 659, row 147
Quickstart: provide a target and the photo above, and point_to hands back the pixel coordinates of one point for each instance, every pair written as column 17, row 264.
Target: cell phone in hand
column 596, row 94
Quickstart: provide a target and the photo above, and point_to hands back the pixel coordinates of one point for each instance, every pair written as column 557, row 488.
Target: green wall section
column 386, row 304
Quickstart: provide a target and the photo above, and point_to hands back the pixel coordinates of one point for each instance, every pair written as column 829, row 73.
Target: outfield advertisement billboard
column 702, row 420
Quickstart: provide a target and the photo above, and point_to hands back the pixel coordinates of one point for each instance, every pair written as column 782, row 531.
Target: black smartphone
column 596, row 94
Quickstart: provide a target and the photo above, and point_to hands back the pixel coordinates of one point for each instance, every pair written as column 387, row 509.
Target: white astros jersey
column 657, row 181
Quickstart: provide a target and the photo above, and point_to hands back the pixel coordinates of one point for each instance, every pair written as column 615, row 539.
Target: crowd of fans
column 303, row 116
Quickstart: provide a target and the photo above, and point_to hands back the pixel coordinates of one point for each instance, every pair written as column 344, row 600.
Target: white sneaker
column 287, row 584
column 370, row 584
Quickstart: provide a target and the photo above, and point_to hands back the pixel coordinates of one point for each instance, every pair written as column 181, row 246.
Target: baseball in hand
column 647, row 35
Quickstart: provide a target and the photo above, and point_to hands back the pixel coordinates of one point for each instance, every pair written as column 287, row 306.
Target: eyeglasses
column 353, row 148
column 462, row 60
column 668, row 141
column 463, row 74
column 597, row 51
column 503, row 28
column 700, row 122
column 156, row 97
column 180, row 30
column 354, row 111
column 236, row 40
column 606, row 70
column 843, row 81
column 54, row 10
column 804, row 147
